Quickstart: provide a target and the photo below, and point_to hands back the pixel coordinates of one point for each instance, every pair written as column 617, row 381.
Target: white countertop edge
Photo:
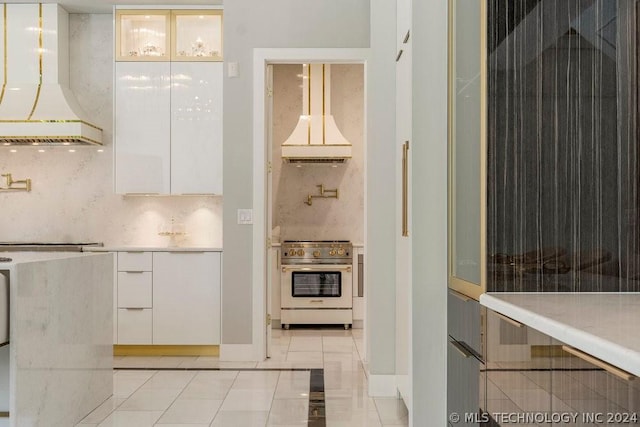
column 26, row 257
column 149, row 249
column 600, row 347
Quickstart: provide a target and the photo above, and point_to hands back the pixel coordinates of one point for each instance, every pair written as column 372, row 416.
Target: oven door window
column 305, row 284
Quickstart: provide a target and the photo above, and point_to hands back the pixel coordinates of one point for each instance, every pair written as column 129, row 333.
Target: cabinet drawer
column 464, row 320
column 134, row 261
column 134, row 289
column 134, row 326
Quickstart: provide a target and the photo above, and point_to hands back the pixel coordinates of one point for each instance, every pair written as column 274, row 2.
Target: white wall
column 325, row 219
column 72, row 197
column 429, row 32
column 381, row 196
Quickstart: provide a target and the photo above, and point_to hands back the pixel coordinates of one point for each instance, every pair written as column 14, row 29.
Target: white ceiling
column 106, row 6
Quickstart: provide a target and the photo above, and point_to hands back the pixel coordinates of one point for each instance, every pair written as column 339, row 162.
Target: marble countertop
column 602, row 324
column 149, row 249
column 26, row 257
column 60, row 357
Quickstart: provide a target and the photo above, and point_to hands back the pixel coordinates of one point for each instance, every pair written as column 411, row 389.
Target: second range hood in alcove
column 316, row 137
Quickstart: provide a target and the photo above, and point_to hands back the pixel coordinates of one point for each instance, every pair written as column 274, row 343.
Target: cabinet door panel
column 467, row 141
column 134, row 326
column 134, row 261
column 142, row 131
column 463, row 385
column 196, row 128
column 134, row 290
column 186, row 298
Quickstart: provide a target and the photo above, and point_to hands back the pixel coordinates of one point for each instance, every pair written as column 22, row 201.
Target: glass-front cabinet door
column 168, row 35
column 142, row 35
column 467, row 146
column 196, row 35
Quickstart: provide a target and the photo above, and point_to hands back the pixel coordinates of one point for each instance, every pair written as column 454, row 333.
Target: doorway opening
column 318, row 201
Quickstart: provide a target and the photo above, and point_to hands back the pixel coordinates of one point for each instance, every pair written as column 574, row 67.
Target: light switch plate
column 245, row 216
column 232, row 69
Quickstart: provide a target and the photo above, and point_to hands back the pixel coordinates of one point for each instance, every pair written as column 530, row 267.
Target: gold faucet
column 322, row 194
column 11, row 182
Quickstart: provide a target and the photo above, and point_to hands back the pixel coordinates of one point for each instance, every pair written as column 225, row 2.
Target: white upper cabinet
column 142, row 129
column 168, row 102
column 196, row 128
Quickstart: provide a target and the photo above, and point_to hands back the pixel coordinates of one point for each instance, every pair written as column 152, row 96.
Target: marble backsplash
column 72, row 197
column 325, row 219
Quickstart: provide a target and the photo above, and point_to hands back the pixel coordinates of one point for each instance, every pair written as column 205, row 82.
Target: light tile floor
column 235, row 397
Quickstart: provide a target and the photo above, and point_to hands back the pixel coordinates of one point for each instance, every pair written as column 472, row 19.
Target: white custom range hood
column 316, row 138
column 36, row 105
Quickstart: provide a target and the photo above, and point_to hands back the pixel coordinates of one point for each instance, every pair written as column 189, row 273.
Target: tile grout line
column 175, row 399
column 273, row 398
column 125, row 399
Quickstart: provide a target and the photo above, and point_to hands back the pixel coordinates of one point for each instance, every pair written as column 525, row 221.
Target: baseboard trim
column 166, row 350
column 382, row 386
column 238, row 353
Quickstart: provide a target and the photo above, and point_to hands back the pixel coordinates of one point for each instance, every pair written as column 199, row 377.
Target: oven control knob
column 332, row 252
column 316, row 254
column 341, row 251
column 300, row 252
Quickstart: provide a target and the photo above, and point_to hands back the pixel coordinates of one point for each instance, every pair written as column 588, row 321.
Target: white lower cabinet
column 134, row 326
column 168, row 298
column 186, row 298
column 134, row 289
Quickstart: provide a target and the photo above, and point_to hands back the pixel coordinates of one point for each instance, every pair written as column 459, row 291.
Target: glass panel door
column 467, row 129
column 197, row 35
column 142, row 35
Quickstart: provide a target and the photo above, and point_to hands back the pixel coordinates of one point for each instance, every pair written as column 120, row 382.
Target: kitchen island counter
column 150, row 249
column 58, row 364
column 601, row 324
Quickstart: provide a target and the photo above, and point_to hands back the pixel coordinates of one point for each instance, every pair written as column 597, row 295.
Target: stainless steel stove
column 317, row 281
column 317, row 252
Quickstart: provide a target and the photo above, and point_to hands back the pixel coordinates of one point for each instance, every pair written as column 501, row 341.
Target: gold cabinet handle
column 509, row 320
column 406, row 37
column 317, row 301
column 620, row 373
column 458, row 295
column 405, row 189
column 463, row 351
